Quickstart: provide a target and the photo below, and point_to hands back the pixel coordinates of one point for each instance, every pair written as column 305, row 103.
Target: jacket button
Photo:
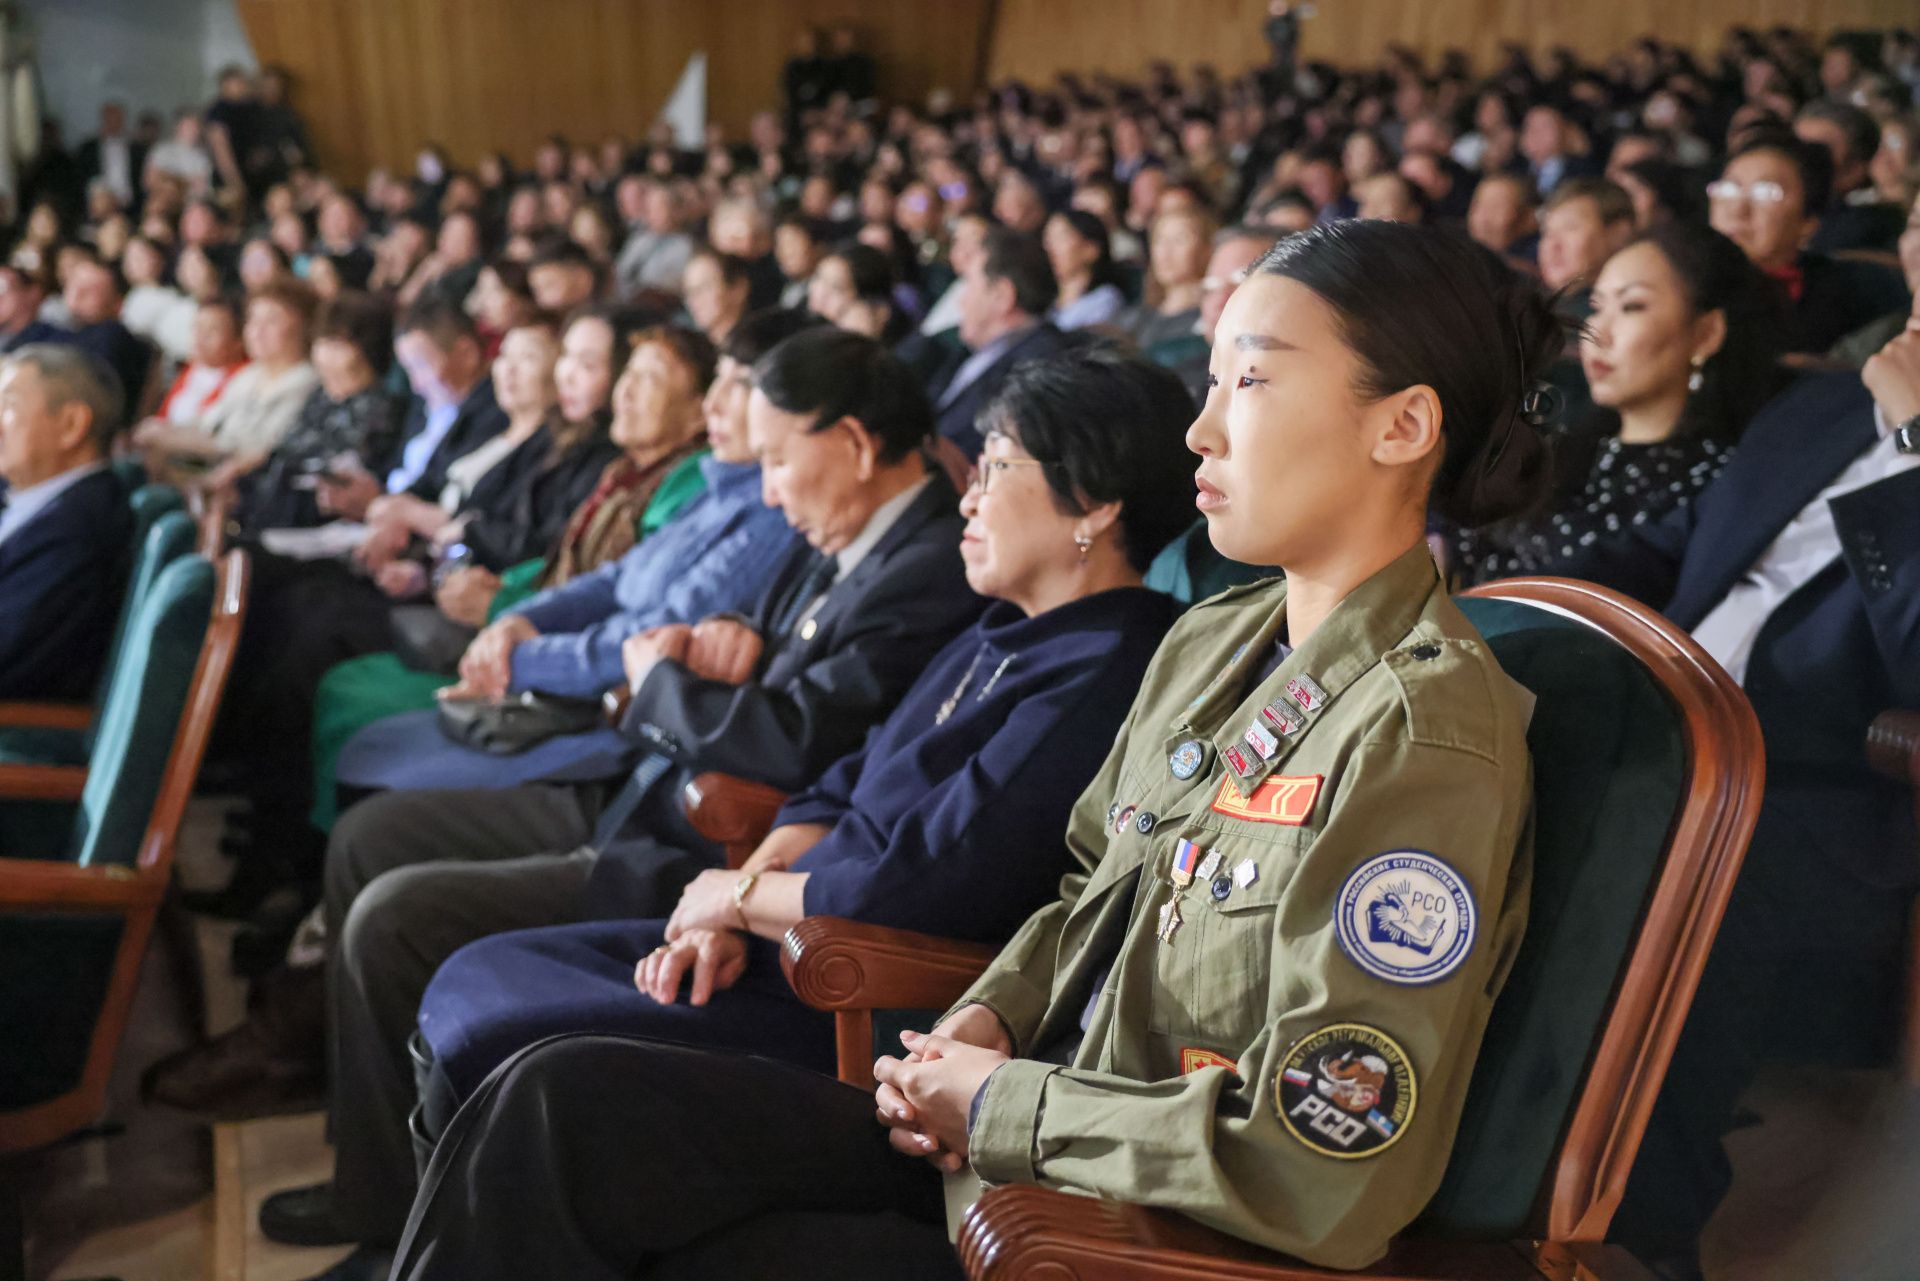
column 1144, row 824
column 1427, row 652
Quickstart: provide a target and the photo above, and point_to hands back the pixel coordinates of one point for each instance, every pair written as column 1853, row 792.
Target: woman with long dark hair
column 1679, row 353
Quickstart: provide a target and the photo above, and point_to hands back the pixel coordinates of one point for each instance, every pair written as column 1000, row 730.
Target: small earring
column 1696, row 378
column 1085, row 545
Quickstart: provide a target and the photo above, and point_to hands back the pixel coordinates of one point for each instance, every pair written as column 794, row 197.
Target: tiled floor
column 1827, row 1187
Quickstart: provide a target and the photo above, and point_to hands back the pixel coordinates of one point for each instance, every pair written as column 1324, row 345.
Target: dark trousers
column 411, row 878
column 1807, row 968
column 604, row 1157
column 302, row 618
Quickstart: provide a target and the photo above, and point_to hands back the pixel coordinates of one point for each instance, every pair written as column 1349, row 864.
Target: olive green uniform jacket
column 1206, row 1078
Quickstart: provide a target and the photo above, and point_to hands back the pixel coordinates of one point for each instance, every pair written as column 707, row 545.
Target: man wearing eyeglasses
column 1768, row 201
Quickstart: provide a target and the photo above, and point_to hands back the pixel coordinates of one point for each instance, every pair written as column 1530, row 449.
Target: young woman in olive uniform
column 1301, row 874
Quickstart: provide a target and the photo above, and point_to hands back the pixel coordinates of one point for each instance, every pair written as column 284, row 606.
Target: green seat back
column 132, row 472
column 138, row 720
column 162, row 533
column 1610, row 770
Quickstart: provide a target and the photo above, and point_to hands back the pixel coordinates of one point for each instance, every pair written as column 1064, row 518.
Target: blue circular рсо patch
column 1406, row 917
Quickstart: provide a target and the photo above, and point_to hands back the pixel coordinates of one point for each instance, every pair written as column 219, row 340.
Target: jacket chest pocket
column 1212, row 978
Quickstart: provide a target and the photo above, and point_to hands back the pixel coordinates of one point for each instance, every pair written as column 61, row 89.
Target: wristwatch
column 742, row 888
column 1906, row 437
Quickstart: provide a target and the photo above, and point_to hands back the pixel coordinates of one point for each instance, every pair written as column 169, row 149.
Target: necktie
column 817, row 579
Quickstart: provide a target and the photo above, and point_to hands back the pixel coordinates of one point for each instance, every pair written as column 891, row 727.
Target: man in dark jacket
column 1004, row 300
column 847, row 627
column 65, row 526
column 1799, row 570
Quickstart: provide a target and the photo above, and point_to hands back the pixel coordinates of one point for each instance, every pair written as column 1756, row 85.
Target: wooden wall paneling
column 377, row 78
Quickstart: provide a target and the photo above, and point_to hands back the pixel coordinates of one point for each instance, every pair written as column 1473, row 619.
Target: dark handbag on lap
column 513, row 724
column 428, row 641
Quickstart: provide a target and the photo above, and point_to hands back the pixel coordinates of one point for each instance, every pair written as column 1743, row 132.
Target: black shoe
column 368, row 1263
column 304, row 1216
column 261, row 944
column 272, row 1064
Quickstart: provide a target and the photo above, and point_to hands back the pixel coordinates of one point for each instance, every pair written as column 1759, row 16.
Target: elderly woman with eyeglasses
column 947, row 820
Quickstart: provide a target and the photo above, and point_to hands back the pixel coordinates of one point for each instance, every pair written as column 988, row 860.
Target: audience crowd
column 851, row 456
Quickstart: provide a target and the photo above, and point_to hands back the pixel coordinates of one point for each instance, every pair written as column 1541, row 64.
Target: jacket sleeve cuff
column 1018, row 1004
column 1001, row 1146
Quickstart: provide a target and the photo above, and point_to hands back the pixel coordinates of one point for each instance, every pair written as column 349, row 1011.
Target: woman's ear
column 1709, row 334
column 1097, row 520
column 1406, row 426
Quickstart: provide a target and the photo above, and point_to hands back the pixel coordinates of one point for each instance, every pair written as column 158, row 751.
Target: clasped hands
column 924, row 1098
column 719, row 649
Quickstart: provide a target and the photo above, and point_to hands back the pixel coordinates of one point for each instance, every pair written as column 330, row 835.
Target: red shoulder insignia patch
column 1288, row 801
column 1192, row 1060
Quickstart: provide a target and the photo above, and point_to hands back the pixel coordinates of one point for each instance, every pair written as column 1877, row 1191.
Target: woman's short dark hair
column 1418, row 305
column 1675, row 188
column 734, row 270
column 834, row 373
column 1108, row 426
column 689, row 346
column 868, row 268
column 759, row 332
column 292, row 296
column 1021, row 262
column 512, row 276
column 1811, row 160
column 363, row 321
column 230, row 305
column 1716, row 275
column 1089, row 228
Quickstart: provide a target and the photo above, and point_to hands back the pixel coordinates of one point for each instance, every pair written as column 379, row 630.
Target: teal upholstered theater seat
column 163, row 532
column 1610, row 769
column 55, row 966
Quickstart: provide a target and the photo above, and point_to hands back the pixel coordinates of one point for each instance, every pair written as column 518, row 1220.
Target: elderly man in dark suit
column 840, row 427
column 1799, row 570
column 64, row 522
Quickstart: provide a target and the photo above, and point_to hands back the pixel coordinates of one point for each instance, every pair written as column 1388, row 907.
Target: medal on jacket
column 1186, row 857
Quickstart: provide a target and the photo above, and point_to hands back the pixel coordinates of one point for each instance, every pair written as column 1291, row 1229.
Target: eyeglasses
column 1211, row 284
column 1726, row 191
column 984, row 471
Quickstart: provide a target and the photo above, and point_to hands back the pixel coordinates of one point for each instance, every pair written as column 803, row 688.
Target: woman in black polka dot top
column 1678, row 355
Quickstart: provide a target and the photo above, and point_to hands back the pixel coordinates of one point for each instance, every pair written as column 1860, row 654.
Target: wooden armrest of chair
column 42, row 782
column 29, row 882
column 1893, row 746
column 1018, row 1232
column 735, row 812
column 45, row 715
column 837, row 964
column 853, row 969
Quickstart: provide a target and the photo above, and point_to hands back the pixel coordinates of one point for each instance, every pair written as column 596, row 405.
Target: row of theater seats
column 1648, row 777
column 91, row 802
